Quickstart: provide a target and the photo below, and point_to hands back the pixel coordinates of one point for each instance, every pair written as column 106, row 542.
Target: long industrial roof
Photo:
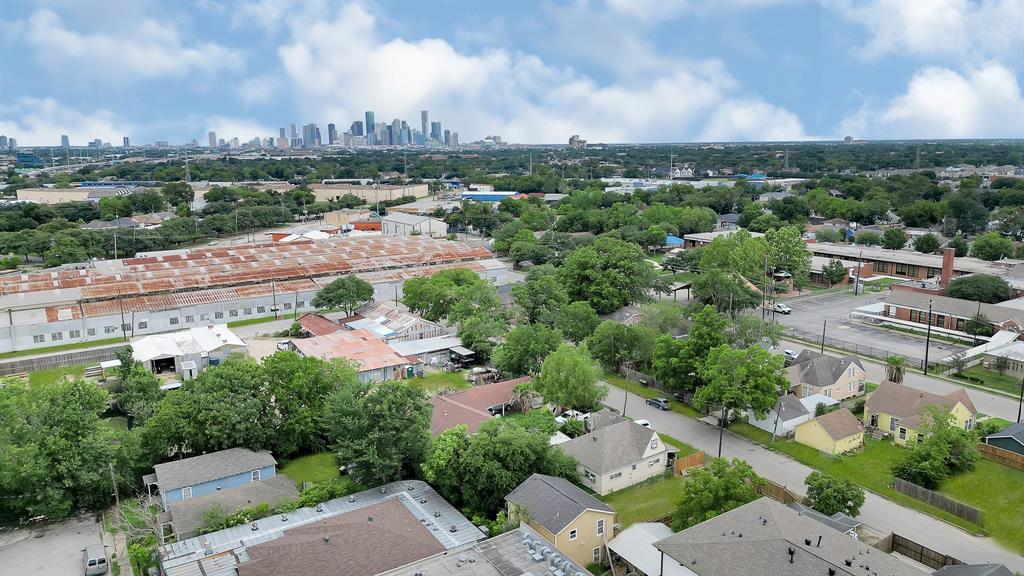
column 214, row 267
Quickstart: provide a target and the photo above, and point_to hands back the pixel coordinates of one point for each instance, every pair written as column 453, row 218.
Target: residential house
column 901, row 410
column 618, row 456
column 1010, row 438
column 766, row 538
column 402, row 224
column 375, row 360
column 815, row 373
column 474, row 406
column 574, row 522
column 436, row 351
column 838, row 521
column 392, row 324
column 187, row 352
column 369, row 533
column 783, row 418
column 834, row 433
column 633, row 549
column 973, row 570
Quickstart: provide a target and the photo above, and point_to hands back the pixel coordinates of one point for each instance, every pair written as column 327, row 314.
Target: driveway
column 811, row 312
column 52, row 550
column 877, row 512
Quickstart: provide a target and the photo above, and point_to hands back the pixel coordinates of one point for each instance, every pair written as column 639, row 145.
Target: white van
column 94, row 559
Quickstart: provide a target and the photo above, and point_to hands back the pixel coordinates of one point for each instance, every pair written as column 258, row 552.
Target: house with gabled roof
column 816, row 373
column 618, row 456
column 832, row 433
column 574, row 522
column 1010, row 438
column 902, row 410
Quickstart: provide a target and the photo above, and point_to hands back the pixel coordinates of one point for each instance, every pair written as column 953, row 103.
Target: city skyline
column 620, row 72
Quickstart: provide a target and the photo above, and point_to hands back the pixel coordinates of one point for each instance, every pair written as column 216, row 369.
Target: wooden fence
column 916, row 552
column 938, row 500
column 1002, row 456
column 777, row 492
column 682, row 465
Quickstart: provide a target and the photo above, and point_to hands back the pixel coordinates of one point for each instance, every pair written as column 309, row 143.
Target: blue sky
column 532, row 72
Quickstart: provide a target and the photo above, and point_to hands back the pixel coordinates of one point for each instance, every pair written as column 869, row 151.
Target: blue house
column 672, row 240
column 209, row 473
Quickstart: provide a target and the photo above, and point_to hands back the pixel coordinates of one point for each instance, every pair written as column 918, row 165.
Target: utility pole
column 824, row 323
column 1020, row 402
column 860, row 261
column 115, row 245
column 928, row 338
column 721, row 431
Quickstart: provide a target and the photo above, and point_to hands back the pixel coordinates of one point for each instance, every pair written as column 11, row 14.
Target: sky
column 532, row 72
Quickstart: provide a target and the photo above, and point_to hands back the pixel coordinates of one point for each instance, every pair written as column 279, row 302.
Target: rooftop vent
column 831, row 572
column 807, row 541
column 848, row 561
column 437, row 513
column 351, row 498
column 819, row 541
column 319, row 507
column 791, row 553
column 454, row 528
column 369, row 518
column 284, row 517
column 327, row 538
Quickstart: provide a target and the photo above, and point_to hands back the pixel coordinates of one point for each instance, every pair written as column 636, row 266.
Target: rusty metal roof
column 358, row 345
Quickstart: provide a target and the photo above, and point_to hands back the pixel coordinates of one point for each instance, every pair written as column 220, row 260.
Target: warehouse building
column 180, row 289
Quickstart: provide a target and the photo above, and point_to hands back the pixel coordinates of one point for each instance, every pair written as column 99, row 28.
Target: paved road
column 53, row 550
column 991, row 404
column 810, row 312
column 877, row 512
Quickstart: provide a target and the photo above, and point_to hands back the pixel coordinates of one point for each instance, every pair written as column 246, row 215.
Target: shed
column 1010, row 438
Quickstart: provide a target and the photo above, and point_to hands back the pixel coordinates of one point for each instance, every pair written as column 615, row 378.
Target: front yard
column 646, row 502
column 991, row 379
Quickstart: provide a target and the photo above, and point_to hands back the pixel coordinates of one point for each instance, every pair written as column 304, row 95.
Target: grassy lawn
column 312, row 468
column 682, row 277
column 992, row 379
column 648, row 501
column 870, row 468
column 251, row 321
column 998, row 491
column 639, row 389
column 1002, row 422
column 434, row 382
column 116, row 423
column 657, row 256
column 51, row 376
column 72, row 346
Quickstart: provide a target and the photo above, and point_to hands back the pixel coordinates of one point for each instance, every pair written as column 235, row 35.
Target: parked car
column 659, row 403
column 94, row 559
column 284, row 345
column 782, row 308
column 790, row 354
column 643, row 423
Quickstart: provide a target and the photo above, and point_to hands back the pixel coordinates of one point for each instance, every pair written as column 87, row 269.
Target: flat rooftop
column 856, row 251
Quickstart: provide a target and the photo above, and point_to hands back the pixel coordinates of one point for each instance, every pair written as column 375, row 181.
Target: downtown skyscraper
column 370, row 128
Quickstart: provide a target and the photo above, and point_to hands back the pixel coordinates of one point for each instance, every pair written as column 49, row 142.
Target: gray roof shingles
column 208, row 467
column 1015, row 431
column 818, row 369
column 610, row 448
column 554, row 502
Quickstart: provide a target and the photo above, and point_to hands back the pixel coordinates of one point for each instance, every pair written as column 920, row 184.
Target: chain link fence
column 862, row 350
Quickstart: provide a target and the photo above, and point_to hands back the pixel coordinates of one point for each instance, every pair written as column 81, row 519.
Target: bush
column 574, row 428
column 325, row 491
column 987, row 288
column 858, row 406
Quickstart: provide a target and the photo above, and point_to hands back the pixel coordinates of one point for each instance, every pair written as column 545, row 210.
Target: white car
column 790, row 354
column 643, row 423
column 284, row 345
column 783, row 309
column 571, row 415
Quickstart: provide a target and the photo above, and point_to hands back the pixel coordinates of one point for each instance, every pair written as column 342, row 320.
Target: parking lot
column 51, row 550
column 831, row 312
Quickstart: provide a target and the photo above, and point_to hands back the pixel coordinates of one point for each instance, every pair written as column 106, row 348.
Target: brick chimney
column 947, row 266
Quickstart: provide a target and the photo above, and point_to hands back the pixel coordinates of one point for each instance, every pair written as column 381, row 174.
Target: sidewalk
column 878, row 513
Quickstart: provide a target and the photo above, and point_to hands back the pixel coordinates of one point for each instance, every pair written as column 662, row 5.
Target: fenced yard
column 647, row 501
column 1004, row 457
column 969, row 513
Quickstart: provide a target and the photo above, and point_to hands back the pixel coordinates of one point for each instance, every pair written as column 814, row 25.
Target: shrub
column 574, row 428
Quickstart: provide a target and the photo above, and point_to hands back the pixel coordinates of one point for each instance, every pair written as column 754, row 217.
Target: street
column 877, row 512
column 810, row 314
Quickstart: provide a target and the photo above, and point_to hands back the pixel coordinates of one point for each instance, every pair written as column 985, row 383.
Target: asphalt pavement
column 878, row 513
column 50, row 550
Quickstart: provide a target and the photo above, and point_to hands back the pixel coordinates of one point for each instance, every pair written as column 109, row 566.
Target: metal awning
column 107, row 364
column 461, row 350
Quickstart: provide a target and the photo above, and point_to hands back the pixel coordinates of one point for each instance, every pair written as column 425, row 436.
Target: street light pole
column 721, row 431
column 928, row 337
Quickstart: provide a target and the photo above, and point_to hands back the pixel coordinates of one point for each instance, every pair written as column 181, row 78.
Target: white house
column 401, row 224
column 187, row 352
column 783, row 418
column 618, row 456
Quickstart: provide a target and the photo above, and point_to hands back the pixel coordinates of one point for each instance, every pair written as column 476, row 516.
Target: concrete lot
column 810, row 313
column 52, row 550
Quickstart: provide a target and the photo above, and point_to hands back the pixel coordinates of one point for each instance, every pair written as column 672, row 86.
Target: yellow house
column 833, row 433
column 575, row 523
column 900, row 410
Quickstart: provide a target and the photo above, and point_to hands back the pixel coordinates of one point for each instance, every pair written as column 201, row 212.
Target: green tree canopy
column 958, row 244
column 452, row 294
column 992, row 246
column 541, row 296
column 569, row 379
column 980, row 287
column 381, row 432
column 830, row 494
column 348, row 293
column 834, row 272
column 927, row 243
column 609, row 274
column 577, row 321
column 788, row 252
column 868, row 238
column 718, row 487
column 748, row 378
column 894, row 239
column 677, row 362
column 947, row 450
column 525, row 348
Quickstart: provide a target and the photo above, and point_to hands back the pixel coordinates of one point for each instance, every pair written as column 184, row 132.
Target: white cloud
column 339, row 65
column 984, row 102
column 245, row 129
column 958, row 29
column 41, row 121
column 257, row 90
column 149, row 49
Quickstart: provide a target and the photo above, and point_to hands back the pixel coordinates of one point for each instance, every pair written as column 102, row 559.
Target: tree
column 959, row 245
column 992, row 246
column 577, row 321
column 382, row 433
column 946, row 450
column 895, row 366
column 748, row 378
column 569, row 379
column 828, row 235
column 716, row 488
column 868, row 238
column 480, row 333
column 140, row 392
column 609, row 274
column 1002, row 364
column 452, row 294
column 967, row 214
column 788, row 252
column 524, row 348
column 980, row 325
column 663, row 316
column 834, row 272
column 958, row 362
column 176, row 193
column 927, row 243
column 677, row 362
column 66, row 250
column 750, row 330
column 613, row 344
column 830, row 494
column 441, row 467
column 675, row 263
column 541, row 297
column 894, row 239
column 987, row 288
column 348, row 293
column 727, row 291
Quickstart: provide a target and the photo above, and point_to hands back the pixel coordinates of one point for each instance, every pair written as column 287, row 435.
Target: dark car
column 659, row 403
